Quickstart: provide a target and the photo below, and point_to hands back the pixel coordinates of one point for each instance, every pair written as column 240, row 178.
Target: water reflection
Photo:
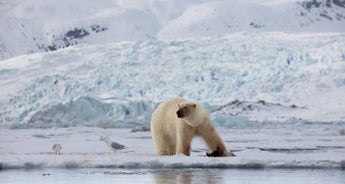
column 164, row 176
column 186, row 176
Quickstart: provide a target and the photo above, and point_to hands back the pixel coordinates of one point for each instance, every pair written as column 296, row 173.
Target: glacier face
column 30, row 27
column 119, row 84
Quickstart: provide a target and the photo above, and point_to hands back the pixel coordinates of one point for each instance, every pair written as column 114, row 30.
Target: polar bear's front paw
column 220, row 153
column 228, row 154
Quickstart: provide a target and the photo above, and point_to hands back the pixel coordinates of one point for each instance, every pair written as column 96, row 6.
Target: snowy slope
column 221, row 17
column 36, row 26
column 32, row 26
column 273, row 77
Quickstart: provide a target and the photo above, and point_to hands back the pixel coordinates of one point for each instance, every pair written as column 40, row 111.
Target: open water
column 161, row 176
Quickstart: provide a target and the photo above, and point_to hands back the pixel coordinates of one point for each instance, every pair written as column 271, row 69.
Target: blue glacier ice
column 112, row 84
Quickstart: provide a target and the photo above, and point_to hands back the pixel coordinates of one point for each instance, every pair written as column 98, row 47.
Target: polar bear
column 176, row 122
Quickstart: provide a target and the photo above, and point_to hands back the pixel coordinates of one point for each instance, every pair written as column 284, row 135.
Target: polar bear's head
column 192, row 113
column 185, row 109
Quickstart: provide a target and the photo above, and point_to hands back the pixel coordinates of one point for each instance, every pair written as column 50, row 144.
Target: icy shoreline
column 178, row 163
column 268, row 148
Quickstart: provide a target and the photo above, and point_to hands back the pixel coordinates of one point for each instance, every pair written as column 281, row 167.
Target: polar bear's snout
column 179, row 113
column 183, row 112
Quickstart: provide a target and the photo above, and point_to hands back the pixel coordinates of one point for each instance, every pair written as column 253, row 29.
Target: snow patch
column 280, row 147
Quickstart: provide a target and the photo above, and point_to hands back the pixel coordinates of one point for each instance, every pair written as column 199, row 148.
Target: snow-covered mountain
column 47, row 25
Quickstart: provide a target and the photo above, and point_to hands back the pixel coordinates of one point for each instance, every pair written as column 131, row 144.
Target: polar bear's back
column 166, row 112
